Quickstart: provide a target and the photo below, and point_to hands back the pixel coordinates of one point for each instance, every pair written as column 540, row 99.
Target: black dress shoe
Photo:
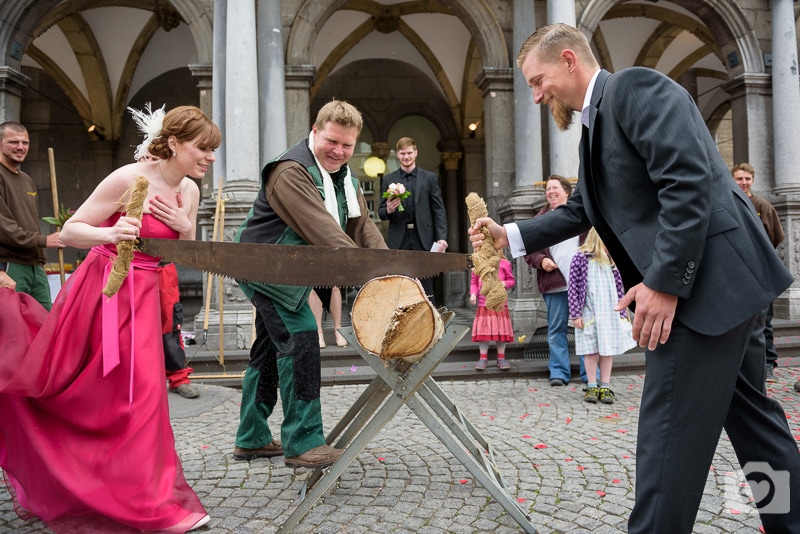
column 556, row 382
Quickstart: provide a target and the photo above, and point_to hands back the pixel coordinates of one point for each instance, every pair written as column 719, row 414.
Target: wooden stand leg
column 411, row 384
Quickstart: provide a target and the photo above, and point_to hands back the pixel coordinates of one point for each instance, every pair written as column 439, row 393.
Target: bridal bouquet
column 397, row 191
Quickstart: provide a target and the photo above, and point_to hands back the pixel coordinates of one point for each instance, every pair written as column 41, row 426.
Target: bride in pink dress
column 85, row 439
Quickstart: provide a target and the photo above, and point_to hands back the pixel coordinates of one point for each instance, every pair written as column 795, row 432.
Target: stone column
column 785, row 98
column 241, row 94
column 498, row 111
column 527, row 115
column 751, row 109
column 236, row 106
column 12, row 82
column 451, row 161
column 785, row 117
column 299, row 79
column 456, row 285
column 218, row 89
column 525, row 306
column 204, row 75
column 564, row 157
column 272, row 118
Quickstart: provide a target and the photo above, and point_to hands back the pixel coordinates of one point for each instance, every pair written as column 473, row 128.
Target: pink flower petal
column 463, row 480
column 601, row 493
column 540, row 446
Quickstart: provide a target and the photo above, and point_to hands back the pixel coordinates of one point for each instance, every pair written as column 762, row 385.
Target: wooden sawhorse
column 400, row 382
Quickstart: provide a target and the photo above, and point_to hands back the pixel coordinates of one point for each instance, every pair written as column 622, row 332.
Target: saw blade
column 302, row 265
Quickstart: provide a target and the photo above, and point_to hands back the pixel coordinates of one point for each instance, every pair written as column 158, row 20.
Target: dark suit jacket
column 431, row 220
column 653, row 184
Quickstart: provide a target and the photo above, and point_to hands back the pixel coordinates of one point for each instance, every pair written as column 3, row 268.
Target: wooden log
column 392, row 318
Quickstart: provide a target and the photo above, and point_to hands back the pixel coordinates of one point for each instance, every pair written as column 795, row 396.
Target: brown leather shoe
column 321, row 456
column 267, row 451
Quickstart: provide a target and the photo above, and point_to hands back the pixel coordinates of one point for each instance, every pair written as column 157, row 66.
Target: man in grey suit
column 699, row 268
column 422, row 219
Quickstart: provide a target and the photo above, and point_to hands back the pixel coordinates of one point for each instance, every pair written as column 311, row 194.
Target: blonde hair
column 595, row 247
column 186, row 123
column 341, row 113
column 550, row 41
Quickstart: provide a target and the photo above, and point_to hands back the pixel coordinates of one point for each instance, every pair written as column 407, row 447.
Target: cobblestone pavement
column 569, row 464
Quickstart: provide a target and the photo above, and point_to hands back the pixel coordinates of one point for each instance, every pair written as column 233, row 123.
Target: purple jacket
column 547, row 280
column 578, row 272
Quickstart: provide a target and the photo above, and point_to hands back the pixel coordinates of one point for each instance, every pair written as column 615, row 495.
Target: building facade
column 441, row 71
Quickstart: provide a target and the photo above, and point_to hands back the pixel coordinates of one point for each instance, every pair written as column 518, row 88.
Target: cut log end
column 392, row 318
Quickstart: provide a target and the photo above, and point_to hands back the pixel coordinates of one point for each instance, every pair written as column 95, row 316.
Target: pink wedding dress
column 85, row 439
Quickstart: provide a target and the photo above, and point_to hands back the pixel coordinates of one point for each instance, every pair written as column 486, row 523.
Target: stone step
column 343, row 365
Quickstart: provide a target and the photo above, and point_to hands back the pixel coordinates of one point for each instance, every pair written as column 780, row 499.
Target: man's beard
column 562, row 115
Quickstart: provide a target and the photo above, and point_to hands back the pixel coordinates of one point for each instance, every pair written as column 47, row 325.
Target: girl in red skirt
column 490, row 325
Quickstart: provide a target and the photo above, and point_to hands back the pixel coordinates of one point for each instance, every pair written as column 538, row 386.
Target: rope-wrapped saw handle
column 122, row 264
column 486, row 260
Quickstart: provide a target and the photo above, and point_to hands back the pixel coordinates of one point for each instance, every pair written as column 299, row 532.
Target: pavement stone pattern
column 570, row 464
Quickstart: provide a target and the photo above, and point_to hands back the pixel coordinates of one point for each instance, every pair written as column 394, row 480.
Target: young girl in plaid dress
column 595, row 287
column 490, row 325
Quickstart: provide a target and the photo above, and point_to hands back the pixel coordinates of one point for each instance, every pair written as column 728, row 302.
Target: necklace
column 164, row 178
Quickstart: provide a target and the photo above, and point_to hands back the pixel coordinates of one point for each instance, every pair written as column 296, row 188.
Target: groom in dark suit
column 699, row 268
column 422, row 221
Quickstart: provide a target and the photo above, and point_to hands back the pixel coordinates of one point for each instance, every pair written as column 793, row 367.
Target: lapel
column 597, row 96
column 586, row 168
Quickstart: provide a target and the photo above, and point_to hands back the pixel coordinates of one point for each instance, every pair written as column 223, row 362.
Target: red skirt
column 490, row 325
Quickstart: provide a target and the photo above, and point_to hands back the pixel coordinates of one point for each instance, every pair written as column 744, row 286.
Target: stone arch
column 17, row 22
column 725, row 19
column 102, row 107
column 409, row 82
column 484, row 28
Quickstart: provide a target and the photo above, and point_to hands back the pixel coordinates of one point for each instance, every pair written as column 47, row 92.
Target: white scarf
column 331, row 203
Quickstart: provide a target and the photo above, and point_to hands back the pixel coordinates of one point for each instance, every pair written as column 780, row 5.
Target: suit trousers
column 412, row 241
column 695, row 385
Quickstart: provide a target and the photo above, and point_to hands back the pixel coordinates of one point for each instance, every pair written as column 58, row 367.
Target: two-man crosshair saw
column 396, row 384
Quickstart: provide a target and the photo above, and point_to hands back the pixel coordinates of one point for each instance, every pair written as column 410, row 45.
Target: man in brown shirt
column 21, row 244
column 744, row 174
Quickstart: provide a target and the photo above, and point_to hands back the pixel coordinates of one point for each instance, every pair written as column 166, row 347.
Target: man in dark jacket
column 652, row 183
column 419, row 221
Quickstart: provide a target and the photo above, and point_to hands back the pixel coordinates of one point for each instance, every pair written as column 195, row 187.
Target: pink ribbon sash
column 110, row 330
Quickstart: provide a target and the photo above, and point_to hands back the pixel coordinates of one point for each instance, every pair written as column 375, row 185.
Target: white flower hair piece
column 150, row 124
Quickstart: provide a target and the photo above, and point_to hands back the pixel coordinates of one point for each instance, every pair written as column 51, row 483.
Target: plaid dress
column 594, row 290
